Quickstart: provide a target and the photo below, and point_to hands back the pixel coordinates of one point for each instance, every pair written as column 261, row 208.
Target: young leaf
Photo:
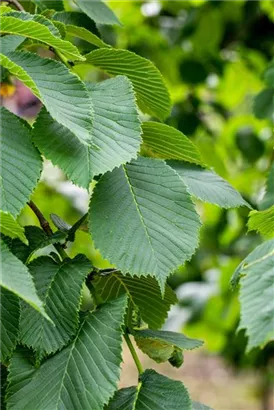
column 208, row 186
column 256, row 295
column 17, row 279
column 84, row 375
column 37, row 31
column 149, row 224
column 10, row 227
column 116, row 134
column 9, row 322
column 262, row 221
column 63, row 94
column 144, row 293
column 268, row 199
column 152, row 95
column 155, row 392
column 21, row 163
column 98, row 11
column 162, row 345
column 86, row 35
column 59, row 287
column 168, row 143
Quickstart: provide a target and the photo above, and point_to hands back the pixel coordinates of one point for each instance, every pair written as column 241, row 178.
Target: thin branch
column 16, row 4
column 46, row 228
column 134, row 354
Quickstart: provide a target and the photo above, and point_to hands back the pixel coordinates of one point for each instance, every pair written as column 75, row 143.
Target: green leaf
column 143, row 220
column 10, row 43
column 10, row 227
column 21, row 163
column 256, row 295
column 59, row 287
column 199, row 406
column 207, row 186
column 144, row 293
column 152, row 95
column 5, row 9
column 84, row 375
column 262, row 221
column 76, row 19
column 172, row 338
column 49, row 4
column 98, row 11
column 37, row 31
column 9, row 323
column 17, row 279
column 62, row 92
column 168, row 143
column 155, row 392
column 161, row 345
column 86, row 35
column 3, row 383
column 268, row 199
column 263, row 104
column 38, row 18
column 116, row 134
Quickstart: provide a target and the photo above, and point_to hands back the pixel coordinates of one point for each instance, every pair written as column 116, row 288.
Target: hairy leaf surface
column 116, row 134
column 208, row 186
column 63, row 94
column 37, row 31
column 152, row 94
column 143, row 292
column 9, row 322
column 84, row 375
column 168, row 143
column 156, row 392
column 262, row 221
column 59, row 287
column 256, row 294
column 143, row 220
column 16, row 278
column 21, row 163
column 10, row 227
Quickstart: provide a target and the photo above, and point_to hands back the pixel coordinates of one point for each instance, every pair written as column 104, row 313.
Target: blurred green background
column 217, row 60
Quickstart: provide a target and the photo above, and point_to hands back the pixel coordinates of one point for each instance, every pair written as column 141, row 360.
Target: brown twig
column 16, row 4
column 46, row 228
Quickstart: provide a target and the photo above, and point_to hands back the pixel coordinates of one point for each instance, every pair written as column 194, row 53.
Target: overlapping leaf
column 35, row 17
column 62, row 92
column 98, row 11
column 143, row 292
column 208, row 186
column 262, row 221
column 143, row 220
column 9, row 322
column 59, row 287
column 256, row 294
column 156, row 392
column 10, row 227
column 84, row 375
column 37, row 31
column 86, row 35
column 16, row 278
column 152, row 94
column 168, row 143
column 116, row 134
column 10, row 43
column 21, row 163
